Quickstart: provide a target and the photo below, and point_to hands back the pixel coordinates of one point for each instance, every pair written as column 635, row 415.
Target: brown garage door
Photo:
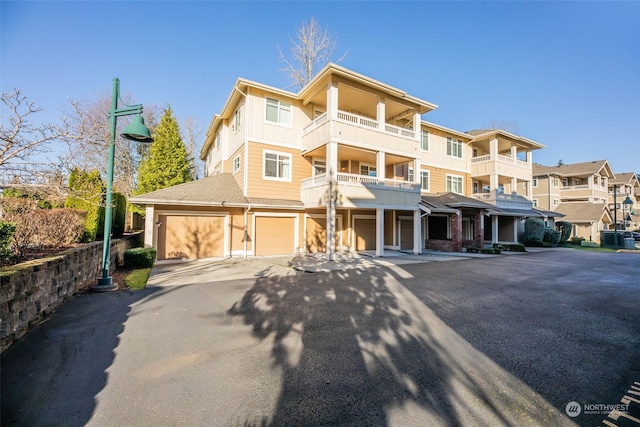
column 406, row 234
column 316, row 238
column 365, row 230
column 275, row 235
column 184, row 236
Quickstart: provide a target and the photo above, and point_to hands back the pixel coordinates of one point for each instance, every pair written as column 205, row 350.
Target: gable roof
column 584, row 212
column 625, row 178
column 575, row 169
column 480, row 134
column 214, row 190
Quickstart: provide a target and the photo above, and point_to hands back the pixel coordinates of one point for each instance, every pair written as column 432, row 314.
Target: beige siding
column 438, row 180
column 273, row 189
column 365, row 234
column 228, row 166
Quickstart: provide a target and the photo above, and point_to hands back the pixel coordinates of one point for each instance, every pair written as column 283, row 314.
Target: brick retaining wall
column 32, row 290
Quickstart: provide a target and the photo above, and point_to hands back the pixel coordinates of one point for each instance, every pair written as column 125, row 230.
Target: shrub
column 119, row 213
column 516, row 247
column 565, row 229
column 24, row 214
column 577, row 240
column 139, row 257
column 7, row 229
column 86, row 191
column 533, row 232
column 551, row 236
column 59, row 227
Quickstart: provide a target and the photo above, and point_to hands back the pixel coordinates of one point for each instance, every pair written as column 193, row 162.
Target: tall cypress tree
column 167, row 162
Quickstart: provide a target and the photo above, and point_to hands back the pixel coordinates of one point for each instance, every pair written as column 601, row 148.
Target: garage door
column 184, row 236
column 406, row 234
column 275, row 235
column 365, row 230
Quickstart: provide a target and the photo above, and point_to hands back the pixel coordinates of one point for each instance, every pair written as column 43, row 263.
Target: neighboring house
column 580, row 191
column 588, row 219
column 346, row 160
column 627, row 185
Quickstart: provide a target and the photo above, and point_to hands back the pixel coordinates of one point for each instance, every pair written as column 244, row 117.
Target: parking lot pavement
column 505, row 340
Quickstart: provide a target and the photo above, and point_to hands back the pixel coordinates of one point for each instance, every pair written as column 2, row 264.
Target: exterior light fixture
column 135, row 131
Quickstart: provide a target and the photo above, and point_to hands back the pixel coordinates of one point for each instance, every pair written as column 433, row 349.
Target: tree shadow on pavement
column 52, row 375
column 355, row 348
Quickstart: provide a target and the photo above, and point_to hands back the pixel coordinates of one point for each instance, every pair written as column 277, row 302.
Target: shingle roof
column 569, row 170
column 583, row 211
column 623, row 178
column 446, row 202
column 213, row 190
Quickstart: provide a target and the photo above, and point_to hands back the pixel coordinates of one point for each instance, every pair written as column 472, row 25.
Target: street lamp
column 627, row 204
column 135, row 131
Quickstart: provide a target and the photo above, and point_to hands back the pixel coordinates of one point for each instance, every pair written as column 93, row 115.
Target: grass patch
column 591, row 249
column 137, row 279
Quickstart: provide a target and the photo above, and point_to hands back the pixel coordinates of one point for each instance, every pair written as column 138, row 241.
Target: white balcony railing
column 362, row 122
column 500, row 158
column 355, row 179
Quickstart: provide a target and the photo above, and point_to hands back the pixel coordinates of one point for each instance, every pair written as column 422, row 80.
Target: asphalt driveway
column 505, row 340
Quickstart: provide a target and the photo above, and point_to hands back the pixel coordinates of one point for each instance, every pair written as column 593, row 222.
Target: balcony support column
column 494, row 229
column 493, row 182
column 514, row 185
column 332, row 196
column 332, row 101
column 381, row 113
column 417, row 166
column 417, row 127
column 493, row 149
column 417, row 232
column 379, row 232
column 380, row 165
column 514, row 152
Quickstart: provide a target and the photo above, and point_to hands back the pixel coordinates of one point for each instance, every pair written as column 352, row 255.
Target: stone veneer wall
column 32, row 290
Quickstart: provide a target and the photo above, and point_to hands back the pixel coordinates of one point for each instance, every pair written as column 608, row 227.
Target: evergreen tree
column 167, row 162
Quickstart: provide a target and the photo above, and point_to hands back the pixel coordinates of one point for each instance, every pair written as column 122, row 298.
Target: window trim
column 534, row 182
column 278, row 154
column 369, row 166
column 236, row 164
column 237, row 119
column 423, row 134
column 448, row 177
column 428, row 173
column 279, row 104
column 450, row 145
column 319, row 160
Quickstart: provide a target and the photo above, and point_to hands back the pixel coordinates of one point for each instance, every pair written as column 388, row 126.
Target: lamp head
column 137, row 131
column 627, row 201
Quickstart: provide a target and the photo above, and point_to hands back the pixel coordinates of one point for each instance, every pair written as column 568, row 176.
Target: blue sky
column 567, row 73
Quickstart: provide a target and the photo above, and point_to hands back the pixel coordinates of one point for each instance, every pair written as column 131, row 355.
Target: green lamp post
column 627, row 204
column 135, row 131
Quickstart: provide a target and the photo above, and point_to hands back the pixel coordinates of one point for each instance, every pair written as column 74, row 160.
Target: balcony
column 501, row 165
column 584, row 192
column 360, row 130
column 359, row 191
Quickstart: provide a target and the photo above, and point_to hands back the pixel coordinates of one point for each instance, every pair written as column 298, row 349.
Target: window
column 424, row 141
column 368, row 170
column 218, row 140
column 454, row 184
column 236, row 164
column 319, row 166
column 596, row 180
column 410, row 176
column 578, row 182
column 278, row 112
column 535, row 182
column 424, row 180
column 556, row 182
column 454, row 147
column 556, row 202
column 438, row 227
column 237, row 118
column 277, row 165
column 475, row 152
column 565, row 182
column 534, row 203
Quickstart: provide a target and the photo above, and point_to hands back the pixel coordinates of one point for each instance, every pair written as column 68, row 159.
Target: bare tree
column 193, row 133
column 508, row 125
column 311, row 49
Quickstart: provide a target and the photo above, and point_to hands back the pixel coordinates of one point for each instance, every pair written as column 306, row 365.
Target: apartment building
column 625, row 185
column 580, row 191
column 345, row 164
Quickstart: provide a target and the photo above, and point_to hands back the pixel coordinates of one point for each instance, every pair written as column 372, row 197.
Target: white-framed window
column 319, row 166
column 454, row 147
column 534, row 203
column 410, row 176
column 556, row 181
column 556, row 202
column 236, row 164
column 218, row 140
column 424, row 140
column 278, row 111
column 424, row 180
column 237, row 119
column 276, row 166
column 578, row 181
column 454, row 184
column 369, row 170
column 535, row 182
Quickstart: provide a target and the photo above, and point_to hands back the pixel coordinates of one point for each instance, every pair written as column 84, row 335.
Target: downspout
column 246, row 234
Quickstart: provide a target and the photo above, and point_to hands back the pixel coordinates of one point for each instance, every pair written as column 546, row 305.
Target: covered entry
column 190, row 236
column 275, row 235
